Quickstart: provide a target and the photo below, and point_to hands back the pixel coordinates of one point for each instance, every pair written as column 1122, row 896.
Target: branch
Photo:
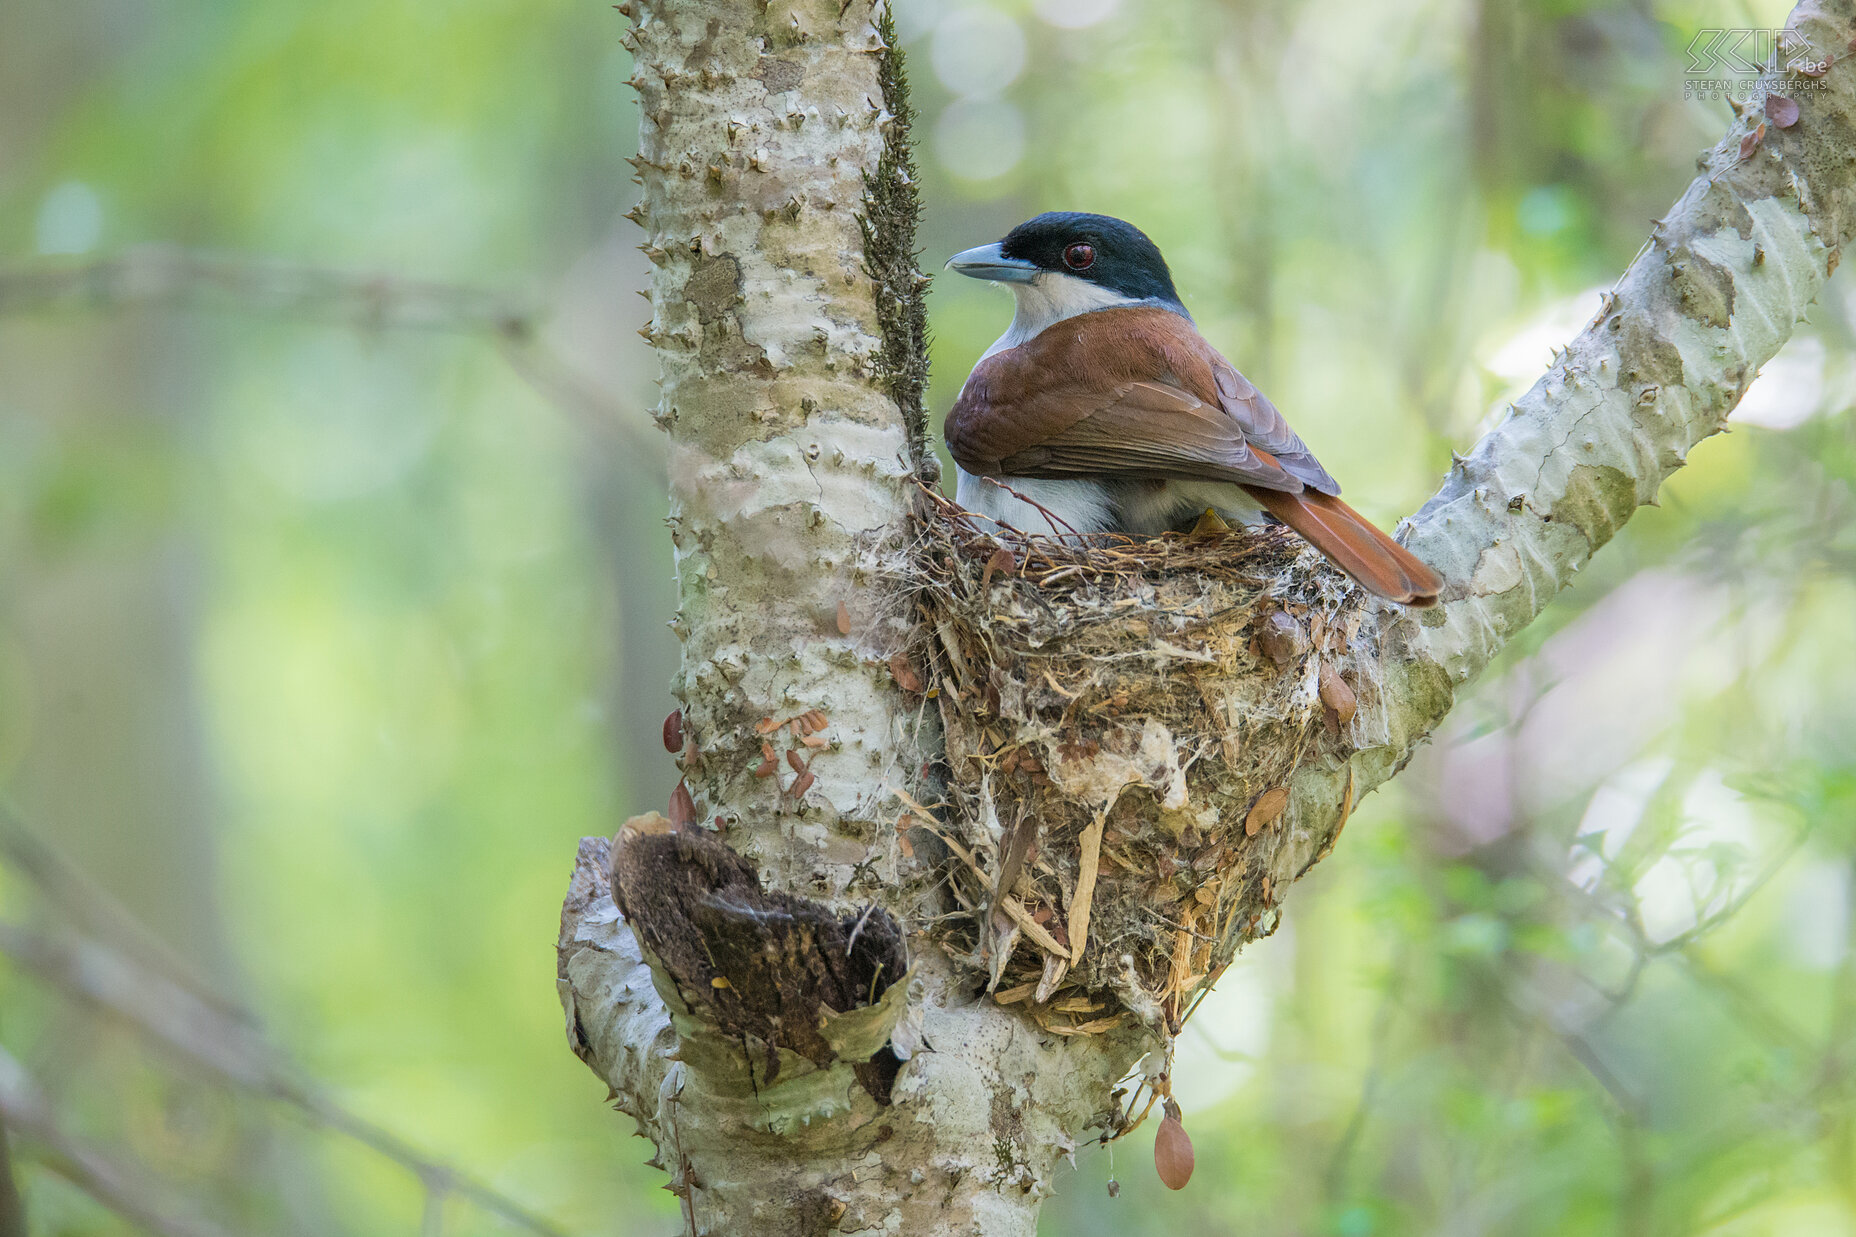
column 117, row 1186
column 1715, row 292
column 197, row 1026
column 169, row 276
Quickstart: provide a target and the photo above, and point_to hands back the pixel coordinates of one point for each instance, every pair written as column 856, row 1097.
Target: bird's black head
column 1097, row 248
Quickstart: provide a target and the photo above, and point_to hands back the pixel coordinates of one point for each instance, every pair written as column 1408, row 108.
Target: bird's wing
column 1130, row 392
column 1265, row 429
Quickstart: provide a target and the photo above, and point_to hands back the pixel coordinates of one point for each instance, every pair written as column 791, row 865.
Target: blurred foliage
column 322, row 641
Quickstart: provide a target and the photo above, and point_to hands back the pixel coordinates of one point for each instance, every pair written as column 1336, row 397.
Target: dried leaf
column 1089, row 867
column 801, row 784
column 1751, row 141
column 1055, row 967
column 673, row 732
column 1282, row 638
column 1336, row 695
column 1099, row 1025
column 904, row 674
column 816, row 741
column 766, row 725
column 792, row 758
column 682, row 806
column 1782, row 110
column 1268, row 807
column 844, row 620
column 1001, row 562
column 1173, row 1150
column 766, row 767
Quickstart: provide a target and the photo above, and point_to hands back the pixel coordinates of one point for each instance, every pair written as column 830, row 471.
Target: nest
column 1122, row 719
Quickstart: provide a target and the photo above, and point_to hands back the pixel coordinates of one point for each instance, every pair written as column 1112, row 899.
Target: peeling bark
column 779, row 210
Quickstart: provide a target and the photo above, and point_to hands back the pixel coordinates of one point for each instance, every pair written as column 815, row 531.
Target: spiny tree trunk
column 746, row 1014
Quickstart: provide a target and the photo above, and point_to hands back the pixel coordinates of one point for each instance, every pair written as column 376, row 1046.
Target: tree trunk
column 729, row 972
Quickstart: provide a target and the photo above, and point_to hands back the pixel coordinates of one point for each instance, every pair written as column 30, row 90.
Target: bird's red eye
column 1079, row 257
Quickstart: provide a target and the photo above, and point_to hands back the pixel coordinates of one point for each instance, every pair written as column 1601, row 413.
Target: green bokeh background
column 323, row 639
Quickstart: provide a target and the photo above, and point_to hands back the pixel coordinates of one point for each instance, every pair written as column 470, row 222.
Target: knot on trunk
column 761, row 966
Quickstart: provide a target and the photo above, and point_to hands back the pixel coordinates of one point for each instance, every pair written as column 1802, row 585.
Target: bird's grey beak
column 987, row 262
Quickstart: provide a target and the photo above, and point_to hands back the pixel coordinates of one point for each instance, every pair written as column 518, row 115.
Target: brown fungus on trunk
column 762, row 966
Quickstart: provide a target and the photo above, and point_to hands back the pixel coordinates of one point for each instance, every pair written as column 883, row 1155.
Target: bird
column 1102, row 409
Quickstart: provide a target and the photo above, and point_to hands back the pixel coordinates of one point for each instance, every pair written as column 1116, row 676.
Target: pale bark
column 790, row 355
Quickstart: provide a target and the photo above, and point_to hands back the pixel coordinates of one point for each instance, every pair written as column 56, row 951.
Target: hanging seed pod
column 1268, row 807
column 1282, row 639
column 1173, row 1150
column 682, row 806
column 1336, row 695
column 673, row 732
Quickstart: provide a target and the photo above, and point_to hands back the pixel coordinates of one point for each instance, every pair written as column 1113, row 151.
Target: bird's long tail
column 1380, row 564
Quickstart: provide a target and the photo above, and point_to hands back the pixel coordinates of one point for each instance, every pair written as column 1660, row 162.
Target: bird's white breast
column 1068, row 506
column 1049, row 299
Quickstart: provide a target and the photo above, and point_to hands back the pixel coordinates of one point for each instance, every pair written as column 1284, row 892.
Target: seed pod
column 1001, row 563
column 1173, row 1150
column 1336, row 695
column 673, row 732
column 1282, row 638
column 1268, row 807
column 904, row 674
column 682, row 806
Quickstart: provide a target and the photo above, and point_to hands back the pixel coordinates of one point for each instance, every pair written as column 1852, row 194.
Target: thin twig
column 172, row 276
column 200, row 1028
column 169, row 276
column 118, row 1186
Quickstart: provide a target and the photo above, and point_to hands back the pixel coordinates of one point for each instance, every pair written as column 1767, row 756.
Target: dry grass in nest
column 1122, row 718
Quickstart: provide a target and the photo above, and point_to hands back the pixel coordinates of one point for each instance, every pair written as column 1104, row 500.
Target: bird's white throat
column 1048, row 299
